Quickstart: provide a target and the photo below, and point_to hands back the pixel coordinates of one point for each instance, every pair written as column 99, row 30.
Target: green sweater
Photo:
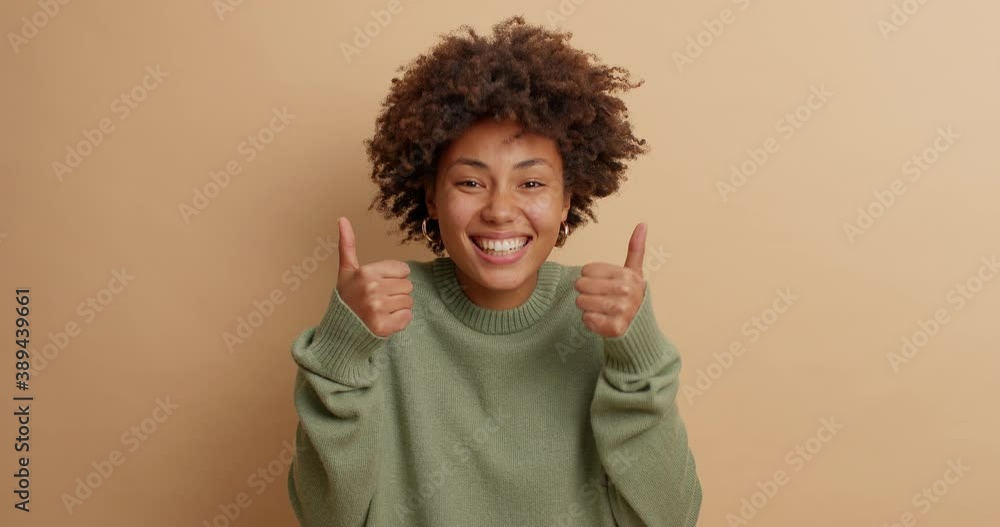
column 477, row 417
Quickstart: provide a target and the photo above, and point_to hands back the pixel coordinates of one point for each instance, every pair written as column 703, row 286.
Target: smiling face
column 499, row 200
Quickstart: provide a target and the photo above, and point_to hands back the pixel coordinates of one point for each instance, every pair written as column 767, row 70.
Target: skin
column 610, row 294
column 495, row 177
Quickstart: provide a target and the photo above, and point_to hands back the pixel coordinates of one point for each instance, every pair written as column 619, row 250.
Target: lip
column 500, row 235
column 501, row 260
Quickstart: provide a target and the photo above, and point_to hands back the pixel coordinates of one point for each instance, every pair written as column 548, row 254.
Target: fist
column 610, row 295
column 378, row 292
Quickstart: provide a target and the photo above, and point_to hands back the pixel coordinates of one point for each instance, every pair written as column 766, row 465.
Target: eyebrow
column 475, row 163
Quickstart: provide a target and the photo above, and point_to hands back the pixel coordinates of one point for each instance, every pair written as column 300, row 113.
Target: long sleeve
column 339, row 401
column 640, row 437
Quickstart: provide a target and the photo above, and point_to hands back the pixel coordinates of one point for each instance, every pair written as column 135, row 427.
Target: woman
column 491, row 386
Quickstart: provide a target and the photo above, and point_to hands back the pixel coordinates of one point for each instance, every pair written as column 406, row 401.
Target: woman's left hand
column 610, row 295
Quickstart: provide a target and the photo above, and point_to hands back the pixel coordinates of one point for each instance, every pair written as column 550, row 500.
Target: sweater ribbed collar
column 496, row 321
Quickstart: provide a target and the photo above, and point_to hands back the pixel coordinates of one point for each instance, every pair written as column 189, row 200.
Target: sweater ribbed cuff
column 340, row 347
column 643, row 347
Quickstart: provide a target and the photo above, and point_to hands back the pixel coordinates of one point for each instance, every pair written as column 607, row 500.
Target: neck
column 498, row 321
column 496, row 298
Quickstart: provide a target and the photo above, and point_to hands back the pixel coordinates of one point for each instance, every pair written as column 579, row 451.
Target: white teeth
column 508, row 245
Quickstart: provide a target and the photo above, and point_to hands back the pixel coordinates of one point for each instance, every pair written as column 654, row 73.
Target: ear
column 567, row 197
column 429, row 199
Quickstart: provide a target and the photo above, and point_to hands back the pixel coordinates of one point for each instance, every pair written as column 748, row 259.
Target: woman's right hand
column 378, row 292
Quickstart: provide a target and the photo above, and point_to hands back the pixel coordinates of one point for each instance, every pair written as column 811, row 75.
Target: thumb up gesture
column 610, row 295
column 378, row 292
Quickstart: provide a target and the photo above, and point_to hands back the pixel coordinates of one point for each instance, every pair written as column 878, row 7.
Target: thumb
column 348, row 256
column 636, row 248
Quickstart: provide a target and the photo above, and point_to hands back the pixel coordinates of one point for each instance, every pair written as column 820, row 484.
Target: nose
column 500, row 207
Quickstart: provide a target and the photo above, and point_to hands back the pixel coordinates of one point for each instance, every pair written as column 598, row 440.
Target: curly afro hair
column 526, row 73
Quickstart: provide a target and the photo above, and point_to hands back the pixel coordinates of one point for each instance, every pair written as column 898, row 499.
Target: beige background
column 162, row 335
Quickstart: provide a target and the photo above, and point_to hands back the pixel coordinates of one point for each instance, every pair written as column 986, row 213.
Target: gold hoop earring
column 564, row 234
column 423, row 228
